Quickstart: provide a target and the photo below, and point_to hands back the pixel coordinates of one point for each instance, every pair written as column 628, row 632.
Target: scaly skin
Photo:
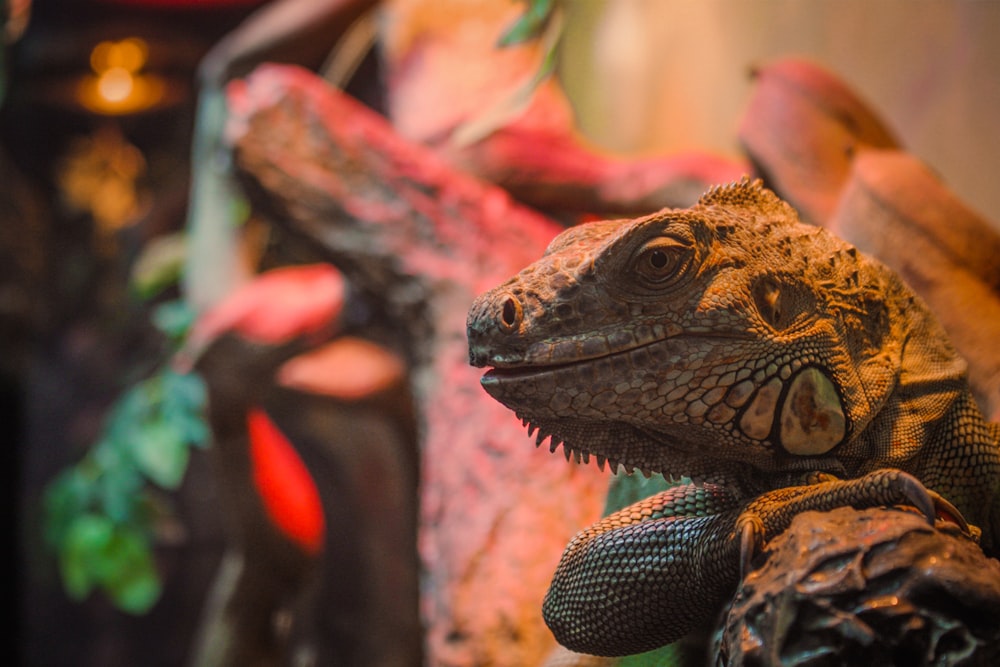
column 768, row 361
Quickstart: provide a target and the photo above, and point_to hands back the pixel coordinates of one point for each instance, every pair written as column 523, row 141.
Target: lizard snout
column 492, row 319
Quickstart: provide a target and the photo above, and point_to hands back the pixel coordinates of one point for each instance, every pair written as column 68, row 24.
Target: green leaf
column 137, row 593
column 184, row 389
column 239, row 210
column 129, row 574
column 531, row 24
column 174, row 318
column 625, row 490
column 109, row 456
column 128, row 413
column 161, row 453
column 149, row 393
column 120, row 493
column 184, row 400
column 160, row 264
column 88, row 536
column 99, row 513
column 191, row 425
column 678, row 654
column 66, row 497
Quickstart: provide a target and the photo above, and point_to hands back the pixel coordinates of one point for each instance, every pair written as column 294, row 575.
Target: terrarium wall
column 673, row 75
column 661, row 77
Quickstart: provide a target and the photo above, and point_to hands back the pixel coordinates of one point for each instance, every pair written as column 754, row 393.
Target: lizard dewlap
column 734, row 345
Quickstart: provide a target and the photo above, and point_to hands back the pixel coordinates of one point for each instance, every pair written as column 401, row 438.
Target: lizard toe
column 931, row 504
column 946, row 511
column 751, row 532
column 916, row 493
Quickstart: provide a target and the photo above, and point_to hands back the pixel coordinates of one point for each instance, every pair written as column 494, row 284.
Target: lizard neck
column 941, row 437
column 930, row 424
column 962, row 463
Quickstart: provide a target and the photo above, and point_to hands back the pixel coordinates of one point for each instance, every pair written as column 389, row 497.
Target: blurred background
column 93, row 169
column 95, row 139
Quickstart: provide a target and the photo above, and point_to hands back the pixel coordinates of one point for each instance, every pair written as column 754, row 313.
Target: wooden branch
column 400, row 222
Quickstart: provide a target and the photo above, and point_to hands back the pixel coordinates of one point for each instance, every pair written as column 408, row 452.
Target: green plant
column 101, row 513
column 542, row 21
column 531, row 24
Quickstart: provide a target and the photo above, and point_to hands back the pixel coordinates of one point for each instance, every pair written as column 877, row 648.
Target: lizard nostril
column 510, row 315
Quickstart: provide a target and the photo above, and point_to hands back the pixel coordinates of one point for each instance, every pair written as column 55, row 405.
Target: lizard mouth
column 558, row 355
column 500, row 373
column 560, row 352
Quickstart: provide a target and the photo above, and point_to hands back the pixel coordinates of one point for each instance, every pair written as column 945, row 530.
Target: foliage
column 159, row 265
column 626, row 489
column 678, row 654
column 531, row 25
column 101, row 513
column 542, row 21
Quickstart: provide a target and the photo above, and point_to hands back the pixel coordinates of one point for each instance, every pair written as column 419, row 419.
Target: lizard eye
column 662, row 262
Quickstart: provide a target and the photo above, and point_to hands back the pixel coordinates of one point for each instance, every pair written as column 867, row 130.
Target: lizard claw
column 948, row 512
column 931, row 504
column 751, row 532
column 919, row 495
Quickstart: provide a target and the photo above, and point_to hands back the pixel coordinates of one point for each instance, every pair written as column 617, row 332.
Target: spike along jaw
column 679, row 336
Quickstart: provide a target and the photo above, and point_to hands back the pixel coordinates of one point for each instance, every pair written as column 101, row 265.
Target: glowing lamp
column 117, row 84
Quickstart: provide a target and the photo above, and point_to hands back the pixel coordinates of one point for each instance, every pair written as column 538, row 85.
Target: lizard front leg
column 771, row 513
column 651, row 573
column 646, row 575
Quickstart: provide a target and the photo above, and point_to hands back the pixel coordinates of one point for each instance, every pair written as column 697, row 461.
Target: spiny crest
column 745, row 193
column 577, row 454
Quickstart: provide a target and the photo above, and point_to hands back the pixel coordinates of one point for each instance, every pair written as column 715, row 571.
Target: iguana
column 768, row 362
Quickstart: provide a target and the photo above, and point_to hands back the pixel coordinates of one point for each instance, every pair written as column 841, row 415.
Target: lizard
column 764, row 364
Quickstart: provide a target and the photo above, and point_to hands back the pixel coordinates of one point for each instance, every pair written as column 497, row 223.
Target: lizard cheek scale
column 812, row 417
column 805, row 416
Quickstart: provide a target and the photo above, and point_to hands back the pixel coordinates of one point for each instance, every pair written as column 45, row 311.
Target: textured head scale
column 745, row 193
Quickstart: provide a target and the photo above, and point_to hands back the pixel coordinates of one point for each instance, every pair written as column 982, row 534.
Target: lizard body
column 766, row 360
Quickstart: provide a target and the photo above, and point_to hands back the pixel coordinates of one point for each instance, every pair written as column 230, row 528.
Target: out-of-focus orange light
column 130, row 54
column 117, row 85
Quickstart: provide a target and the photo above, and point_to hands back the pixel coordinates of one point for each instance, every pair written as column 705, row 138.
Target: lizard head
column 728, row 331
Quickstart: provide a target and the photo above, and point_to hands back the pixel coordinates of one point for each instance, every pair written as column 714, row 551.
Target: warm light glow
column 100, row 175
column 118, row 85
column 129, row 54
column 115, row 85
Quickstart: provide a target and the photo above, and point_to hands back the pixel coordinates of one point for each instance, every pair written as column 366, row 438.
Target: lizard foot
column 770, row 513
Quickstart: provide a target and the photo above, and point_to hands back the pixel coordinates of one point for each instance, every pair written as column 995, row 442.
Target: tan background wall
column 664, row 75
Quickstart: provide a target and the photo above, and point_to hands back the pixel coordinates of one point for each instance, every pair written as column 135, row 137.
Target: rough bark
column 877, row 586
column 801, row 127
column 495, row 514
